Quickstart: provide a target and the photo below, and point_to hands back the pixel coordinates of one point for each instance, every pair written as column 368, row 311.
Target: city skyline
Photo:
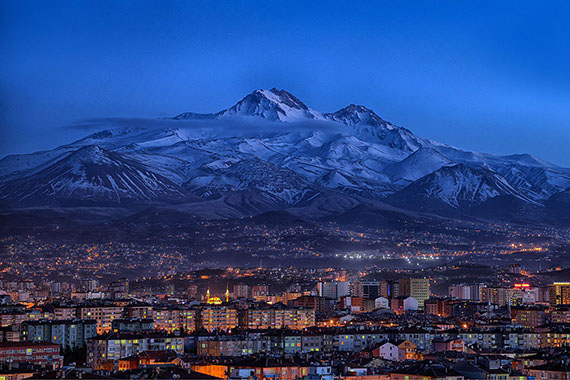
column 263, row 190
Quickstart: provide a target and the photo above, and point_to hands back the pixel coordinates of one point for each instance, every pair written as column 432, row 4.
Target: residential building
column 71, row 333
column 417, row 288
column 43, row 354
column 559, row 293
column 214, row 317
column 104, row 350
column 174, row 319
column 104, row 315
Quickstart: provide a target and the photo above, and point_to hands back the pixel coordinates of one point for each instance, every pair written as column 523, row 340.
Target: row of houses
column 71, row 326
column 389, row 344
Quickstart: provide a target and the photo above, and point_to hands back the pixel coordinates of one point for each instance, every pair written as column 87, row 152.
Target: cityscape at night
column 195, row 190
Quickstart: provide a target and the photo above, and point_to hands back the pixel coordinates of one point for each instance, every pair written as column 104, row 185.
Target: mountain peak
column 280, row 105
column 278, row 97
column 91, row 153
column 357, row 108
column 354, row 114
column 274, row 105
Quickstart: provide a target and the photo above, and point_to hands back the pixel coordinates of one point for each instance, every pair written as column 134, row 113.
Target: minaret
column 227, row 294
column 208, row 296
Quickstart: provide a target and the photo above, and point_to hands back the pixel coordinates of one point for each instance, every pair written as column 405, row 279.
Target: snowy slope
column 459, row 187
column 365, row 123
column 423, row 161
column 92, row 174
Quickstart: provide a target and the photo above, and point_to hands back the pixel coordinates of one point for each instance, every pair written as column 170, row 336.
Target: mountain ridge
column 283, row 155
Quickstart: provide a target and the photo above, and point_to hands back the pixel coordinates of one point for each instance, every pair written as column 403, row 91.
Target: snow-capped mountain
column 418, row 164
column 458, row 187
column 268, row 152
column 273, row 105
column 92, row 175
column 365, row 123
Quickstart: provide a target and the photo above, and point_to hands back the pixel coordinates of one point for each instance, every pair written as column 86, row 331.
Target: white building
column 334, row 289
column 388, row 351
column 381, row 303
column 410, row 303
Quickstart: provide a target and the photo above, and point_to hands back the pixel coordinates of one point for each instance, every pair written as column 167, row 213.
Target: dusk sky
column 484, row 76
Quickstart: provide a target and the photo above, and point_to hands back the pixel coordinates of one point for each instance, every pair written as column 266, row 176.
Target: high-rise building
column 342, row 288
column 334, row 289
column 89, row 284
column 55, row 287
column 356, row 289
column 241, row 291
column 288, row 297
column 496, row 296
column 370, row 289
column 515, row 269
column 192, row 291
column 259, row 291
column 389, row 289
column 327, row 289
column 465, row 292
column 522, row 294
column 417, row 288
column 559, row 293
column 214, row 318
column 119, row 288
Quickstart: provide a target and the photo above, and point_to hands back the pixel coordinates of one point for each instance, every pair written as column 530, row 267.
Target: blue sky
column 485, row 76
